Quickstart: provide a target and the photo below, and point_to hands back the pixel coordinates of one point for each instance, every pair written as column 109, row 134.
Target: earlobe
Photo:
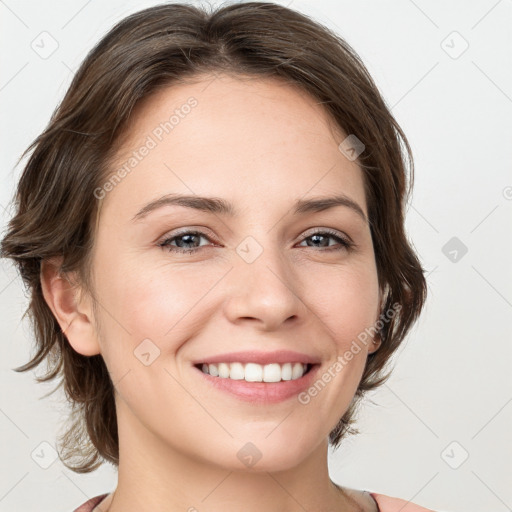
column 377, row 340
column 376, row 343
column 74, row 315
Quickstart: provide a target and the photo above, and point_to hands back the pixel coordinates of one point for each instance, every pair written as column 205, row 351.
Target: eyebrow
column 219, row 206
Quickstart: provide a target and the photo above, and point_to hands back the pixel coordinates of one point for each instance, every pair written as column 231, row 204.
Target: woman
column 212, row 231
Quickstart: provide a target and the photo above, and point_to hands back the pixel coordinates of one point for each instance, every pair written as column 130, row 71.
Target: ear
column 377, row 340
column 74, row 315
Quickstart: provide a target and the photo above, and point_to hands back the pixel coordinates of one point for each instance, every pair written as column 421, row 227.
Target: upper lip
column 253, row 356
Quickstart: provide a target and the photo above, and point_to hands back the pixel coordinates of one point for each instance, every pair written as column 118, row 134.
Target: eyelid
column 344, row 243
column 204, row 231
column 330, row 231
column 201, row 230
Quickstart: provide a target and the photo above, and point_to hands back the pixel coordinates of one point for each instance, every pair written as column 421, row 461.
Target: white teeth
column 236, row 371
column 224, row 370
column 286, row 371
column 272, row 373
column 253, row 372
column 298, row 371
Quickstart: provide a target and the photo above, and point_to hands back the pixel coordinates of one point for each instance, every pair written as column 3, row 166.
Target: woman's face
column 258, row 280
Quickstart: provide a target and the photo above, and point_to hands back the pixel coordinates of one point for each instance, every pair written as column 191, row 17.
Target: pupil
column 183, row 237
column 317, row 236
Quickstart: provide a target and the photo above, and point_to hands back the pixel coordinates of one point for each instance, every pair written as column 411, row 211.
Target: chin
column 267, row 455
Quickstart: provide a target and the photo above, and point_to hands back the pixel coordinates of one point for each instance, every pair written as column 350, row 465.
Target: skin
column 260, row 144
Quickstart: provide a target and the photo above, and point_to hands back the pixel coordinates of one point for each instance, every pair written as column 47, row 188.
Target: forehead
column 234, row 136
column 224, row 103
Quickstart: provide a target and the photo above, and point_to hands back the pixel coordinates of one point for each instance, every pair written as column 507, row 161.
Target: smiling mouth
column 253, row 372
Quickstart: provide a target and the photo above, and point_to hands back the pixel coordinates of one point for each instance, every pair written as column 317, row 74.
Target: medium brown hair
column 154, row 48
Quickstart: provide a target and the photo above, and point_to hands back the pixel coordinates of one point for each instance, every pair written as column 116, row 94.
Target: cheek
column 344, row 303
column 345, row 300
column 156, row 301
column 170, row 304
column 147, row 315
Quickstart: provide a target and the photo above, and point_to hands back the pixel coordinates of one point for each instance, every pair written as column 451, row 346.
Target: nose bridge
column 260, row 262
column 263, row 284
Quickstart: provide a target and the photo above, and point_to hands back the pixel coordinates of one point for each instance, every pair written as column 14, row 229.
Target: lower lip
column 262, row 392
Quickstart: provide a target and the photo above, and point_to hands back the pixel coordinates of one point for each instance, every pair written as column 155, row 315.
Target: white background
column 452, row 381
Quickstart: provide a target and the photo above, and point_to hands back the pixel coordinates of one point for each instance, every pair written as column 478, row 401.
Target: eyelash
column 344, row 242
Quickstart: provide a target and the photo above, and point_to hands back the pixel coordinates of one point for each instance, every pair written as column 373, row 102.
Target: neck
column 155, row 476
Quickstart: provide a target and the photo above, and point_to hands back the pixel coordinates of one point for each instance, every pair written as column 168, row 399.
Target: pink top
column 389, row 504
column 90, row 504
column 384, row 504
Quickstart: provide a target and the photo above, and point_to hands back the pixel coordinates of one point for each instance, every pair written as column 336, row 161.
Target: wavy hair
column 55, row 209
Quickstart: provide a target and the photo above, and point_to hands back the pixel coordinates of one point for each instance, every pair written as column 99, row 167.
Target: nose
column 264, row 291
